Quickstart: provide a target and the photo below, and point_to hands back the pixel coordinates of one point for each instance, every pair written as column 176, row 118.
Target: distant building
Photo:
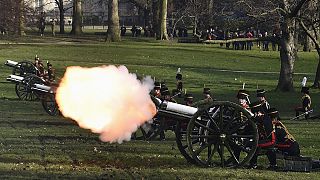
column 95, row 12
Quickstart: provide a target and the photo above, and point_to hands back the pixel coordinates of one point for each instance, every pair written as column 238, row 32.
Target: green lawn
column 36, row 145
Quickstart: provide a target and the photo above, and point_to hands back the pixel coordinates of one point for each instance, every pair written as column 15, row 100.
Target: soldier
column 166, row 94
column 188, row 99
column 285, row 142
column 156, row 90
column 262, row 98
column 243, row 98
column 51, row 72
column 266, row 134
column 40, row 67
column 207, row 94
column 179, row 80
column 306, row 103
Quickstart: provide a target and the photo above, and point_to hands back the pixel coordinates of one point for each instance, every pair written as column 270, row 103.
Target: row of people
column 48, row 74
column 273, row 135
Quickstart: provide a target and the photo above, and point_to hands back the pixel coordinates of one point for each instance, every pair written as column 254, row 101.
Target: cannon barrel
column 43, row 88
column 174, row 110
column 15, row 78
column 11, row 63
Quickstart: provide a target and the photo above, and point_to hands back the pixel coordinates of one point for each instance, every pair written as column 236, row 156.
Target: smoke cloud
column 107, row 100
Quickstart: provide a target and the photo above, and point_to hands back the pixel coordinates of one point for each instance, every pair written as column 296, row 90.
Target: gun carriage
column 220, row 133
column 25, row 74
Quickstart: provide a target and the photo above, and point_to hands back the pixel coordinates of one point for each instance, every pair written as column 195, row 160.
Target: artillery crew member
column 306, row 103
column 207, row 98
column 40, row 67
column 285, row 142
column 262, row 98
column 207, row 94
column 179, row 80
column 266, row 136
column 165, row 93
column 156, row 90
column 51, row 72
column 243, row 98
column 188, row 99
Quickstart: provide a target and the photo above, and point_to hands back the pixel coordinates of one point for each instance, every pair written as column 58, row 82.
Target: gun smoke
column 107, row 100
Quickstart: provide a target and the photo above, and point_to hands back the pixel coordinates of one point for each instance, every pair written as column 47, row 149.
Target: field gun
column 24, row 75
column 220, row 133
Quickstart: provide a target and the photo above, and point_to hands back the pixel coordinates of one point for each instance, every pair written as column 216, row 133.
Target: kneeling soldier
column 285, row 142
column 306, row 103
column 266, row 136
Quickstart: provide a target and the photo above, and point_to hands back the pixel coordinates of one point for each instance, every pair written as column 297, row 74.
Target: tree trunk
column 316, row 82
column 210, row 11
column 77, row 18
column 155, row 18
column 21, row 25
column 163, row 35
column 306, row 43
column 113, row 33
column 287, row 55
column 61, row 11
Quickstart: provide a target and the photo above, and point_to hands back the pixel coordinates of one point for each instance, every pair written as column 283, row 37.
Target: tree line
column 293, row 19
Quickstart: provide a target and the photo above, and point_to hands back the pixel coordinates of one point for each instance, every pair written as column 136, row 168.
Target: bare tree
column 288, row 11
column 310, row 23
column 113, row 32
column 62, row 10
column 77, row 18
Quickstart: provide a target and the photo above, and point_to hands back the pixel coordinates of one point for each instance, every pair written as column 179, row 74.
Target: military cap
column 188, row 97
column 273, row 112
column 305, row 90
column 242, row 94
column 163, row 84
column 256, row 106
column 165, row 91
column 261, row 93
column 157, row 85
column 206, row 91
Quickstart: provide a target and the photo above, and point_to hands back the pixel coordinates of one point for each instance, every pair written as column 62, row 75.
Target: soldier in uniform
column 262, row 98
column 207, row 94
column 188, row 99
column 306, row 103
column 243, row 98
column 285, row 142
column 156, row 90
column 40, row 67
column 266, row 141
column 179, row 80
column 51, row 72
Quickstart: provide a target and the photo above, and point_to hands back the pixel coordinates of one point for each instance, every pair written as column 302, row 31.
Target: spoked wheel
column 181, row 140
column 23, row 89
column 226, row 135
column 23, row 68
column 49, row 104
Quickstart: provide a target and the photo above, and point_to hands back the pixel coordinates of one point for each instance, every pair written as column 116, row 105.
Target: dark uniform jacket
column 285, row 142
column 306, row 102
column 266, row 132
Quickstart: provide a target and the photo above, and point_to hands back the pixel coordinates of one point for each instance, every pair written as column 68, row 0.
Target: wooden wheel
column 226, row 135
column 23, row 89
column 24, row 68
column 49, row 104
column 181, row 140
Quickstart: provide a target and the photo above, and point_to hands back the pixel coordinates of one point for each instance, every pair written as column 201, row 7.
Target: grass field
column 36, row 145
